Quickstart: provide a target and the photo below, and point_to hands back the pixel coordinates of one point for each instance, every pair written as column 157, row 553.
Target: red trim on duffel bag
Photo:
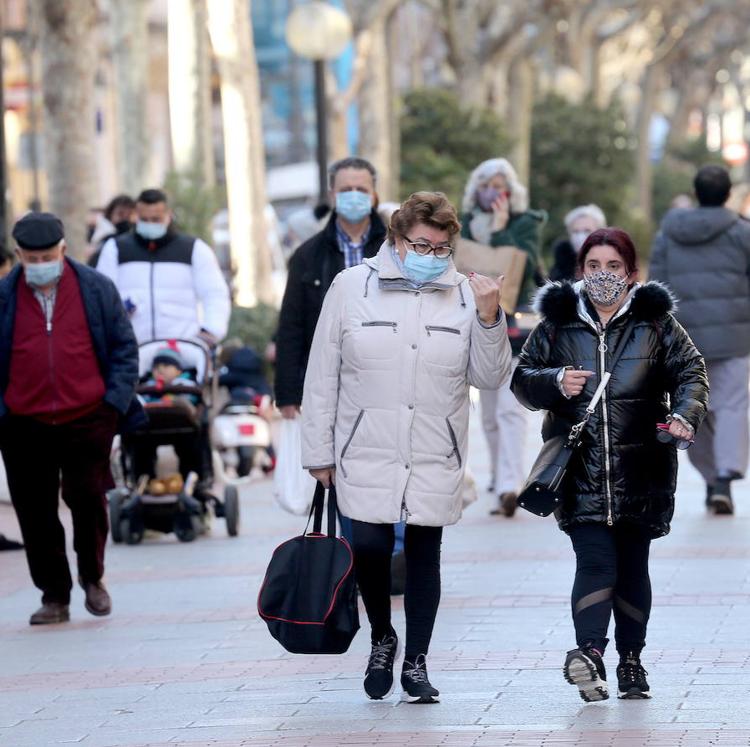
column 335, row 591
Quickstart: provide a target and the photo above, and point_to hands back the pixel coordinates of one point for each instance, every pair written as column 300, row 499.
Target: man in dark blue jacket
column 68, row 370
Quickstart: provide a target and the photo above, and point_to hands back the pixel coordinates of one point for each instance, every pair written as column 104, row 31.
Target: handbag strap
column 576, row 430
column 316, row 510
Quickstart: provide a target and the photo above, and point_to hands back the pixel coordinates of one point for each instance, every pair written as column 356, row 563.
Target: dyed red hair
column 618, row 239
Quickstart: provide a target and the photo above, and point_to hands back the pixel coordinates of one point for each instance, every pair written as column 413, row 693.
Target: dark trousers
column 373, row 547
column 38, row 459
column 611, row 577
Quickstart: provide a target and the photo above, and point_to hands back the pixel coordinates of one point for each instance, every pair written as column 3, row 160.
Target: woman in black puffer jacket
column 619, row 491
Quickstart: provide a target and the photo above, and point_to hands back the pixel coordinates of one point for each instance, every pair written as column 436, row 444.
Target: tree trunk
column 190, row 89
column 68, row 47
column 644, row 169
column 375, row 112
column 232, row 41
column 128, row 27
column 521, row 103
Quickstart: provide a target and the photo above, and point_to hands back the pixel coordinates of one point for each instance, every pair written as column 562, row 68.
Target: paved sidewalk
column 184, row 658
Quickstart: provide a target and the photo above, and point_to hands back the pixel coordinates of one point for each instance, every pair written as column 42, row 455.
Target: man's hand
column 500, row 213
column 487, row 295
column 574, row 381
column 208, row 338
column 289, row 412
column 326, row 476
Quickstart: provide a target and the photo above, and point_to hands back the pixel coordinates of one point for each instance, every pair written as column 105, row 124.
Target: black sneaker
column 631, row 678
column 417, row 687
column 379, row 672
column 721, row 497
column 585, row 669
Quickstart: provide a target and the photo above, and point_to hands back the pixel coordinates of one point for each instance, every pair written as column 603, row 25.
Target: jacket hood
column 697, row 225
column 558, row 302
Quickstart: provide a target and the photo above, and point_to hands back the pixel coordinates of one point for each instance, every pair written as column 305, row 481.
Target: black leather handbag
column 309, row 596
column 542, row 493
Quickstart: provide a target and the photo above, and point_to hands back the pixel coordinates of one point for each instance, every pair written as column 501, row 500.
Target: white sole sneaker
column 634, row 694
column 581, row 671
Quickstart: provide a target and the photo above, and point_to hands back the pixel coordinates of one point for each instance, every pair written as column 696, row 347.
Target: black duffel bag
column 309, row 596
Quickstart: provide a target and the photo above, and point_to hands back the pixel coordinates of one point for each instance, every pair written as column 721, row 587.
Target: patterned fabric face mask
column 604, row 287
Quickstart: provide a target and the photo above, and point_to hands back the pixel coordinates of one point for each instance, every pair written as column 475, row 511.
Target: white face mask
column 151, row 231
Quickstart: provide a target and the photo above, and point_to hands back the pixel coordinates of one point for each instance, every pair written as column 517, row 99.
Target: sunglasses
column 665, row 437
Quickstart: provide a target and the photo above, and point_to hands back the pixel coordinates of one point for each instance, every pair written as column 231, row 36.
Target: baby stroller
column 179, row 417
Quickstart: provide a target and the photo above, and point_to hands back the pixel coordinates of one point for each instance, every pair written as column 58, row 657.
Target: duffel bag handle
column 316, row 510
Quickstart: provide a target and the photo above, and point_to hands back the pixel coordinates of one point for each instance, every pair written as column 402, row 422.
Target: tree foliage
column 580, row 154
column 194, row 204
column 441, row 142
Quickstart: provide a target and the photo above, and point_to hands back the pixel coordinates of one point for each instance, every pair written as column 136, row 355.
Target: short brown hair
column 431, row 208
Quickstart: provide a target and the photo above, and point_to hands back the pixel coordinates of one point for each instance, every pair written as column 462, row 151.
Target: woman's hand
column 678, row 429
column 500, row 213
column 487, row 295
column 327, row 476
column 574, row 381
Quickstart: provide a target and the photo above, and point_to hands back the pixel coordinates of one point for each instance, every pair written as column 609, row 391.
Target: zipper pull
column 49, row 326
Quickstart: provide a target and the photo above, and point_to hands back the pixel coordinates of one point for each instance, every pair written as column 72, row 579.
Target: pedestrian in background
column 579, row 223
column 170, row 281
column 354, row 232
column 118, row 218
column 68, row 370
column 619, row 489
column 385, row 416
column 703, row 254
column 496, row 213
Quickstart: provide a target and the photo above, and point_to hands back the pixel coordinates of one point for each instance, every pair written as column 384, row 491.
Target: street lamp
column 319, row 32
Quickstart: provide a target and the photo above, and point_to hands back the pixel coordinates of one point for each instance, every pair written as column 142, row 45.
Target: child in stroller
column 177, row 391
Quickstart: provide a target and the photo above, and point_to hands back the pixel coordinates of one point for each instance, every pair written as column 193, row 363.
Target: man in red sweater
column 68, row 370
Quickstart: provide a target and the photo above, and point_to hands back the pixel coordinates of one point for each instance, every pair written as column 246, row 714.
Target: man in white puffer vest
column 171, row 283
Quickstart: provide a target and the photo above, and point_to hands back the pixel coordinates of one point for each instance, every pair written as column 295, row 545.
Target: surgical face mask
column 41, row 274
column 151, row 231
column 423, row 268
column 604, row 287
column 353, row 206
column 577, row 238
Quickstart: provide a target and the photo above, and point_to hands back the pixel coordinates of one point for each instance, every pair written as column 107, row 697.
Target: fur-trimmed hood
column 558, row 302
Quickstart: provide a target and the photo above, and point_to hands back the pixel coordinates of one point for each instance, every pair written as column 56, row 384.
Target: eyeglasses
column 423, row 247
column 665, row 437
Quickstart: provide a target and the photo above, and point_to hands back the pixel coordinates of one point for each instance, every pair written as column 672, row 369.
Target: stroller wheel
column 232, row 510
column 246, row 458
column 115, row 510
column 184, row 528
column 185, row 534
column 128, row 533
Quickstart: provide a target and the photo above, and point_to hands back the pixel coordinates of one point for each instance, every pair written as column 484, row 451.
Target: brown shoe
column 508, row 504
column 50, row 613
column 98, row 601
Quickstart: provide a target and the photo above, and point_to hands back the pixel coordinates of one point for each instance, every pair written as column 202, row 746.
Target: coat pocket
column 432, row 328
column 454, row 441
column 348, row 442
column 393, row 325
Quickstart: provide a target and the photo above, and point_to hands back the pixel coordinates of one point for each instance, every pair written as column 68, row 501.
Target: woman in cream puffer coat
column 385, row 413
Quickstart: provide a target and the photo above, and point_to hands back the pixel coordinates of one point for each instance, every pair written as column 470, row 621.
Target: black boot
column 584, row 668
column 631, row 677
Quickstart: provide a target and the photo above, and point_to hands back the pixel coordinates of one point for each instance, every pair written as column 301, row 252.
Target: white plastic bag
column 293, row 486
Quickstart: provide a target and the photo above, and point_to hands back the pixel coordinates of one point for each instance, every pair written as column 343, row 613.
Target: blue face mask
column 151, row 231
column 353, row 206
column 42, row 274
column 423, row 268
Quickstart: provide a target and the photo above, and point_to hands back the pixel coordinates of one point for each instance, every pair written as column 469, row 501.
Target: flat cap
column 38, row 231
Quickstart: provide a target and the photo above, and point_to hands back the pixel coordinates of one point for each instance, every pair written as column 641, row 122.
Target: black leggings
column 373, row 547
column 611, row 576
